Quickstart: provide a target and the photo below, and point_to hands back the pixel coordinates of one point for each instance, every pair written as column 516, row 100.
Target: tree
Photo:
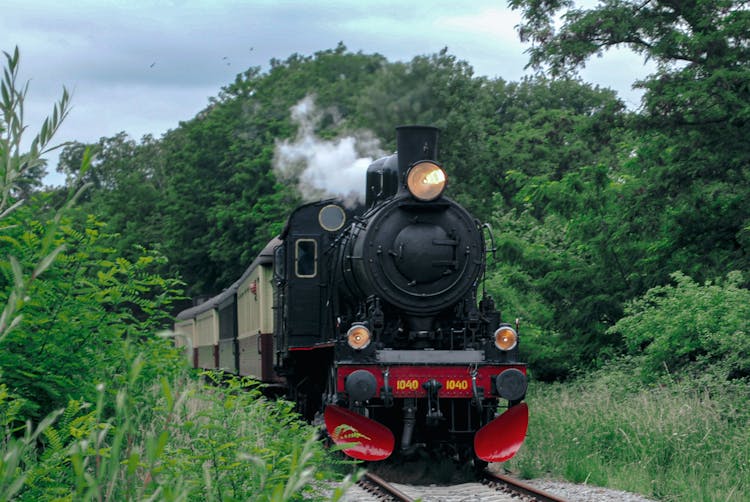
column 690, row 163
column 697, row 35
column 441, row 91
column 545, row 129
column 701, row 48
column 126, row 181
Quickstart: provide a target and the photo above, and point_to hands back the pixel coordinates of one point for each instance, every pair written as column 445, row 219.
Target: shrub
column 688, row 325
column 78, row 317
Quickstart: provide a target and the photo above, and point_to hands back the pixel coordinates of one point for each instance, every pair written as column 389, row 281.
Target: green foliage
column 706, row 35
column 242, row 444
column 687, row 200
column 79, row 316
column 704, row 327
column 18, row 455
column 547, row 129
column 169, row 439
column 690, row 161
column 566, row 272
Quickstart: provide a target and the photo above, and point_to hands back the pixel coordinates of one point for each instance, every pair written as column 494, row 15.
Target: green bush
column 79, row 316
column 691, row 326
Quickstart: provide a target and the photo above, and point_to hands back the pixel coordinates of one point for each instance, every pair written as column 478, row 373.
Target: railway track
column 502, row 482
column 491, row 488
column 379, row 487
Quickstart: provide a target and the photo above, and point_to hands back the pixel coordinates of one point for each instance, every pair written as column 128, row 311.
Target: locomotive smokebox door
column 424, row 253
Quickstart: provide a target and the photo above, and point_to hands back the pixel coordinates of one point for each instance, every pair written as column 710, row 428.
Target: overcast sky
column 142, row 66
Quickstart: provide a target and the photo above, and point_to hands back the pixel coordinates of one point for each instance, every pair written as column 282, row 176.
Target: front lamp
column 506, row 338
column 358, row 337
column 426, row 181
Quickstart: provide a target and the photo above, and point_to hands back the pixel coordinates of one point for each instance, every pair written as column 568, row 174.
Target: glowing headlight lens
column 426, row 181
column 358, row 337
column 506, row 338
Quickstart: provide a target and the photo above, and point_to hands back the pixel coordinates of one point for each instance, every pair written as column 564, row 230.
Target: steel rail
column 385, row 487
column 520, row 487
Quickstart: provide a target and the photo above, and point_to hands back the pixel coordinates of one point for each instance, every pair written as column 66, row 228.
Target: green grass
column 169, row 441
column 678, row 441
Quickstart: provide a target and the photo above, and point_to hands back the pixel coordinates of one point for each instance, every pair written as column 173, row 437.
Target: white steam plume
column 323, row 168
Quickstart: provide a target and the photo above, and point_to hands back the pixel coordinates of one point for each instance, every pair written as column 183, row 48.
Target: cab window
column 306, row 258
column 279, row 267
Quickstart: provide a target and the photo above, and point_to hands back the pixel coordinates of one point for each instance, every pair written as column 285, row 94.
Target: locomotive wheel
column 468, row 462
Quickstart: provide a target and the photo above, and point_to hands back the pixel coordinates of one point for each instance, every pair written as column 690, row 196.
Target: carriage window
column 306, row 259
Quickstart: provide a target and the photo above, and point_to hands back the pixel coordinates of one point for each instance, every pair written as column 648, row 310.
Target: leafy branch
column 15, row 167
column 15, row 164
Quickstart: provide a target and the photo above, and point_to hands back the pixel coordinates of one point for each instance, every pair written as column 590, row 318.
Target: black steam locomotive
column 376, row 326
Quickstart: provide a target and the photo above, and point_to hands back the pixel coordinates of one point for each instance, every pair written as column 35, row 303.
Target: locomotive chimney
column 415, row 143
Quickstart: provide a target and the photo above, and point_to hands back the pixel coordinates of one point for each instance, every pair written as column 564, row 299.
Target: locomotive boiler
column 377, row 330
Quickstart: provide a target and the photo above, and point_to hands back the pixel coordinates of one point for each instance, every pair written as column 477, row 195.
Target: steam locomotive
column 368, row 319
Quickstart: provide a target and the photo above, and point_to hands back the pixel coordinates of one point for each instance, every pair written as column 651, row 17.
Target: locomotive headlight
column 358, row 337
column 426, row 181
column 506, row 338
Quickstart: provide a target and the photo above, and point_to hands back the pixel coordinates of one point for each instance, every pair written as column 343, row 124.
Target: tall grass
column 678, row 441
column 170, row 441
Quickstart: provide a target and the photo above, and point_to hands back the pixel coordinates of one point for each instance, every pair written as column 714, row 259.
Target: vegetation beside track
column 171, row 439
column 669, row 420
column 94, row 405
column 672, row 440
